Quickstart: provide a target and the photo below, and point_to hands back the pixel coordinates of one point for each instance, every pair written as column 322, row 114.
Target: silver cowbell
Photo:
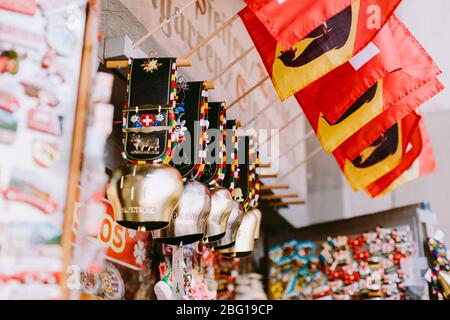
column 258, row 215
column 245, row 237
column 145, row 196
column 189, row 218
column 221, row 205
column 232, row 227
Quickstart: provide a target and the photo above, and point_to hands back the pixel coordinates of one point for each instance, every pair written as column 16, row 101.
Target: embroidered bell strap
column 143, row 128
column 231, row 156
column 235, row 163
column 192, row 115
column 222, row 165
column 214, row 144
column 203, row 141
column 150, row 81
column 241, row 191
column 251, row 176
column 256, row 182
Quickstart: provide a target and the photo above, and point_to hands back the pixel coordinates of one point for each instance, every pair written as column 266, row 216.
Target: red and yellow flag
column 360, row 93
column 289, row 21
column 365, row 136
column 382, row 156
column 418, row 161
column 322, row 50
column 333, row 96
column 384, row 103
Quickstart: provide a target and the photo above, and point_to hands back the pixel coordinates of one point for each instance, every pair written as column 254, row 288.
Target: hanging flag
column 354, row 145
column 360, row 93
column 382, row 105
column 325, row 48
column 382, row 156
column 418, row 68
column 333, row 96
column 418, row 161
column 289, row 21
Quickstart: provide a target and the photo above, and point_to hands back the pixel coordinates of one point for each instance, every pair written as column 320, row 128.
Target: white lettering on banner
column 281, row 1
column 112, row 235
column 374, row 17
column 364, row 56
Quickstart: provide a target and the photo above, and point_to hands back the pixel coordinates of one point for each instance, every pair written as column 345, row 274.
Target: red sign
column 124, row 246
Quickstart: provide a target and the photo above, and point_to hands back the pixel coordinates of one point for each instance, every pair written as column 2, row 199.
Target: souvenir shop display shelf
column 403, row 218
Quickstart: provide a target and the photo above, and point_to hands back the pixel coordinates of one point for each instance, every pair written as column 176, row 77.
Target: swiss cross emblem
column 147, row 120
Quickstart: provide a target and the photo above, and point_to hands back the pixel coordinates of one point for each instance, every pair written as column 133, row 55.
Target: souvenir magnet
column 45, row 121
column 28, row 7
column 45, row 153
column 61, row 39
column 8, row 102
column 22, row 190
column 8, row 127
column 9, row 61
column 112, row 286
column 91, row 283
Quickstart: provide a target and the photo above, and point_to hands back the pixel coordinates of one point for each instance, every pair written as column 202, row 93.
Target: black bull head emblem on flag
column 331, row 35
column 380, row 149
column 367, row 97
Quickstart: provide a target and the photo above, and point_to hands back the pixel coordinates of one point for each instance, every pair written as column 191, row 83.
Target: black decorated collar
column 231, row 150
column 148, row 116
column 151, row 81
column 240, row 191
column 190, row 138
column 214, row 166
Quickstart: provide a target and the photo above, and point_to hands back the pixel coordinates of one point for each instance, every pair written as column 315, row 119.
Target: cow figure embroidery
column 146, row 143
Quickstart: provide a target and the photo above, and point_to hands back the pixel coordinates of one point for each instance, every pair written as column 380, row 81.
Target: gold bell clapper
column 233, row 223
column 144, row 196
column 245, row 237
column 189, row 218
column 221, row 206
